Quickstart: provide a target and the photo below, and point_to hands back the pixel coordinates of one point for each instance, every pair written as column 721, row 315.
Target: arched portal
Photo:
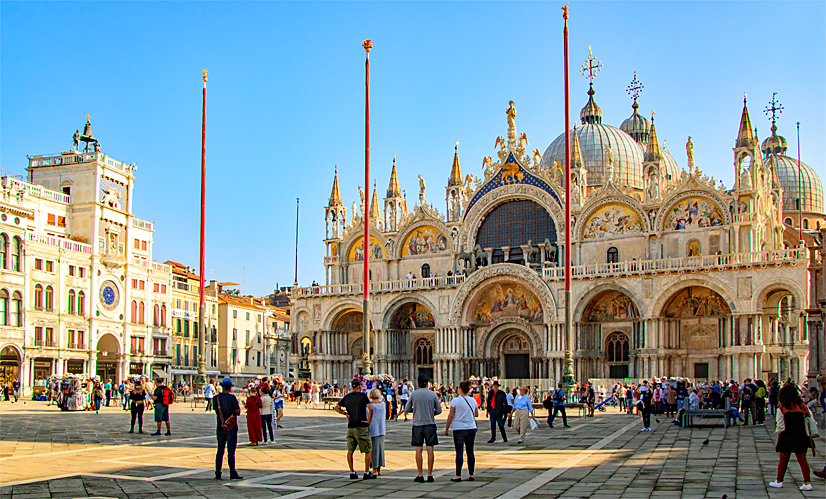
column 423, row 357
column 609, row 324
column 515, row 355
column 616, row 355
column 9, row 364
column 108, row 358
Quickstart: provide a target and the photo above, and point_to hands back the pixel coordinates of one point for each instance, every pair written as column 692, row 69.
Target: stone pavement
column 46, row 453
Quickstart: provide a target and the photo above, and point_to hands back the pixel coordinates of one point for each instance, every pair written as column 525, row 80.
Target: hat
column 496, row 383
column 226, row 382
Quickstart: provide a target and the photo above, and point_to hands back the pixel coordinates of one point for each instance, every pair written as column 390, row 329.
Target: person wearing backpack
column 747, row 403
column 163, row 398
column 558, row 399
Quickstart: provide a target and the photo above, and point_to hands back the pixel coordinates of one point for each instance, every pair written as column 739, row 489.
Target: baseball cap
column 226, row 382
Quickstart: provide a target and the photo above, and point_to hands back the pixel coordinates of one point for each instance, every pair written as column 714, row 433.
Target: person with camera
column 227, row 410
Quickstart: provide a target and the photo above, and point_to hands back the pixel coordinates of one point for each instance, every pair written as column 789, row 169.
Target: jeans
column 761, row 411
column 746, row 409
column 124, row 400
column 208, row 404
column 622, row 403
column 98, row 401
column 108, row 397
column 646, row 418
column 464, row 439
column 230, row 441
column 558, row 408
column 494, row 420
column 773, row 406
column 266, row 423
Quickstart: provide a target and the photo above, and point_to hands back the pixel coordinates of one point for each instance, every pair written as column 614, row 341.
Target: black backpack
column 747, row 394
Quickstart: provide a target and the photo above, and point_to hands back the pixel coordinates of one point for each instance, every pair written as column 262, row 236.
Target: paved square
column 45, row 453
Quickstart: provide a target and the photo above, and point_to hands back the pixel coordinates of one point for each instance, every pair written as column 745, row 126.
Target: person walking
column 405, row 393
column 671, row 401
column 278, row 402
column 792, row 437
column 162, row 397
column 424, row 405
column 462, row 415
column 497, row 409
column 137, row 397
column 354, row 407
column 747, row 404
column 97, row 396
column 227, row 411
column 760, row 402
column 253, row 406
column 558, row 399
column 375, row 422
column 209, row 393
column 774, row 390
column 125, row 392
column 315, row 390
column 108, row 391
column 266, row 412
column 646, row 405
column 16, row 387
column 510, row 396
column 523, row 409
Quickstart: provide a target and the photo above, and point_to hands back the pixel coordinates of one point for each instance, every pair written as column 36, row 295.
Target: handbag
column 811, row 425
column 534, row 424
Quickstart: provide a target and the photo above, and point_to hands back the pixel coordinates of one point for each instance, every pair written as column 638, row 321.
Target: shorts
column 161, row 413
column 359, row 437
column 306, row 396
column 424, row 435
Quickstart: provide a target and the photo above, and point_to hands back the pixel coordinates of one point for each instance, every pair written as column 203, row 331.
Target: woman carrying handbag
column 793, row 435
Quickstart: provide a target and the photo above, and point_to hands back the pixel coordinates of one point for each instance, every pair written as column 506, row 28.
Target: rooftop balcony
column 141, row 224
column 795, row 256
column 36, row 190
column 72, row 157
column 148, row 265
column 59, row 242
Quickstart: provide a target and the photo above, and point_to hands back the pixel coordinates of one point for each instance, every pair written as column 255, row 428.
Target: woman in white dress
column 315, row 390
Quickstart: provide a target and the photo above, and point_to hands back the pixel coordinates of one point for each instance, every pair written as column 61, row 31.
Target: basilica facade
column 673, row 272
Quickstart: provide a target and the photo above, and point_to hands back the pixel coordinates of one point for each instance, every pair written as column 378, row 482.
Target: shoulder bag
column 229, row 423
column 811, row 424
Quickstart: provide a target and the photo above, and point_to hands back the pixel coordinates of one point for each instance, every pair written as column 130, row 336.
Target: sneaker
column 235, row 476
column 776, row 484
column 760, row 424
column 519, row 442
column 369, row 476
column 419, row 479
column 644, row 429
column 745, row 426
column 566, row 426
column 354, row 476
column 806, row 486
column 168, row 433
column 492, row 440
column 156, row 433
column 549, row 425
column 430, row 479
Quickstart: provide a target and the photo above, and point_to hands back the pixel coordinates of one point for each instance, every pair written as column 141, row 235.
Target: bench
column 196, row 399
column 329, row 402
column 688, row 416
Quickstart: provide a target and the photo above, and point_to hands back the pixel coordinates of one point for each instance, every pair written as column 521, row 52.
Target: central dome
column 794, row 179
column 593, row 138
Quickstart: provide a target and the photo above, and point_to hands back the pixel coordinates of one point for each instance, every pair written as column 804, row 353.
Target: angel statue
column 486, row 163
column 469, row 181
column 500, row 143
column 523, row 140
column 609, row 160
column 537, row 154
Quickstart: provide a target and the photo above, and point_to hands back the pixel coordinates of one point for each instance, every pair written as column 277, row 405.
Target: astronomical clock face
column 109, row 295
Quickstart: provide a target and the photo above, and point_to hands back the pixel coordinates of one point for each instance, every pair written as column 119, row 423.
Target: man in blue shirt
column 559, row 406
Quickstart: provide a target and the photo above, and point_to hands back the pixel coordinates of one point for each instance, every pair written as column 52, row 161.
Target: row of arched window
column 76, row 303
column 10, row 251
column 138, row 314
column 11, row 308
column 43, row 297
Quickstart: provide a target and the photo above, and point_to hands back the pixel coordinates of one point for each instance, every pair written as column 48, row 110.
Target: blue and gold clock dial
column 109, row 295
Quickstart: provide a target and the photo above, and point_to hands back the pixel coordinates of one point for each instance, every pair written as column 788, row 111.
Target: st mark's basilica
column 674, row 273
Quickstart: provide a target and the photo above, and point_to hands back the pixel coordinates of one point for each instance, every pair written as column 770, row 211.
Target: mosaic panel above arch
column 377, row 251
column 610, row 306
column 612, row 219
column 696, row 301
column 412, row 316
column 693, row 212
column 425, row 240
column 349, row 321
column 506, row 299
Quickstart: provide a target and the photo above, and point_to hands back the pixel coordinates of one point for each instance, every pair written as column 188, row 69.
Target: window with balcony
column 38, row 297
column 48, row 298
column 156, row 315
column 81, row 303
column 133, row 312
column 50, row 339
column 142, row 313
column 38, row 336
column 613, row 255
column 70, row 302
column 163, row 315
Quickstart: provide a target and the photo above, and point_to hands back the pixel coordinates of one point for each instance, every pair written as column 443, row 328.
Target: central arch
column 108, row 356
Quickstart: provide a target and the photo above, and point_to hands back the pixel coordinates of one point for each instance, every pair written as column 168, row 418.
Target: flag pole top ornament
column 205, row 73
column 635, row 89
column 368, row 44
column 565, row 13
column 775, row 108
column 87, row 118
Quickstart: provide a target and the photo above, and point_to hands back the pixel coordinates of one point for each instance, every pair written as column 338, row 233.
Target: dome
column 593, row 138
column 671, row 170
column 791, row 181
column 638, row 127
column 773, row 142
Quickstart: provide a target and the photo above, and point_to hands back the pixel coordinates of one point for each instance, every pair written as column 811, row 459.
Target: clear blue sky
column 286, row 98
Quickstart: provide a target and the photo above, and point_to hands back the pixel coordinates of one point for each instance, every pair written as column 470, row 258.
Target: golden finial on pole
column 205, row 75
column 565, row 13
column 368, row 44
column 87, row 118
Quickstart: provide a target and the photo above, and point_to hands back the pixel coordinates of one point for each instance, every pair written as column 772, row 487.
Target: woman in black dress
column 791, row 435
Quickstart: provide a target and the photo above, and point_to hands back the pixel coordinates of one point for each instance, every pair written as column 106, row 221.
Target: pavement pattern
column 45, row 453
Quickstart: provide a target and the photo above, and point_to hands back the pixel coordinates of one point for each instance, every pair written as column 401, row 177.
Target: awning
column 213, row 373
column 184, row 371
column 159, row 373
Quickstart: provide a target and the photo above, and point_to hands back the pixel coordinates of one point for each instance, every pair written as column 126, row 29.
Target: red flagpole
column 201, row 310
column 366, row 308
column 568, row 366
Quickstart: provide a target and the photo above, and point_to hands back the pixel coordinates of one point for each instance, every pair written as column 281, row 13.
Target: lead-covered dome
column 671, row 169
column 800, row 182
column 593, row 138
column 637, row 126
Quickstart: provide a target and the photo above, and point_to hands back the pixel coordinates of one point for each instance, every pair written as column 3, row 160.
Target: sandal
column 456, row 479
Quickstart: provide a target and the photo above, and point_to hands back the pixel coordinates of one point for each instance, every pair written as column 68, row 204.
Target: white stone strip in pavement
column 99, row 447
column 526, row 488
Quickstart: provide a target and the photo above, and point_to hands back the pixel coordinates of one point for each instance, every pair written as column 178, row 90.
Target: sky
column 286, row 99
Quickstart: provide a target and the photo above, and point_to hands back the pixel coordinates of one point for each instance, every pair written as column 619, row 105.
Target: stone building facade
column 674, row 274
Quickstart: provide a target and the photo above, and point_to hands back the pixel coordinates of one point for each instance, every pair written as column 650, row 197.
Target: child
column 266, row 412
column 375, row 419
